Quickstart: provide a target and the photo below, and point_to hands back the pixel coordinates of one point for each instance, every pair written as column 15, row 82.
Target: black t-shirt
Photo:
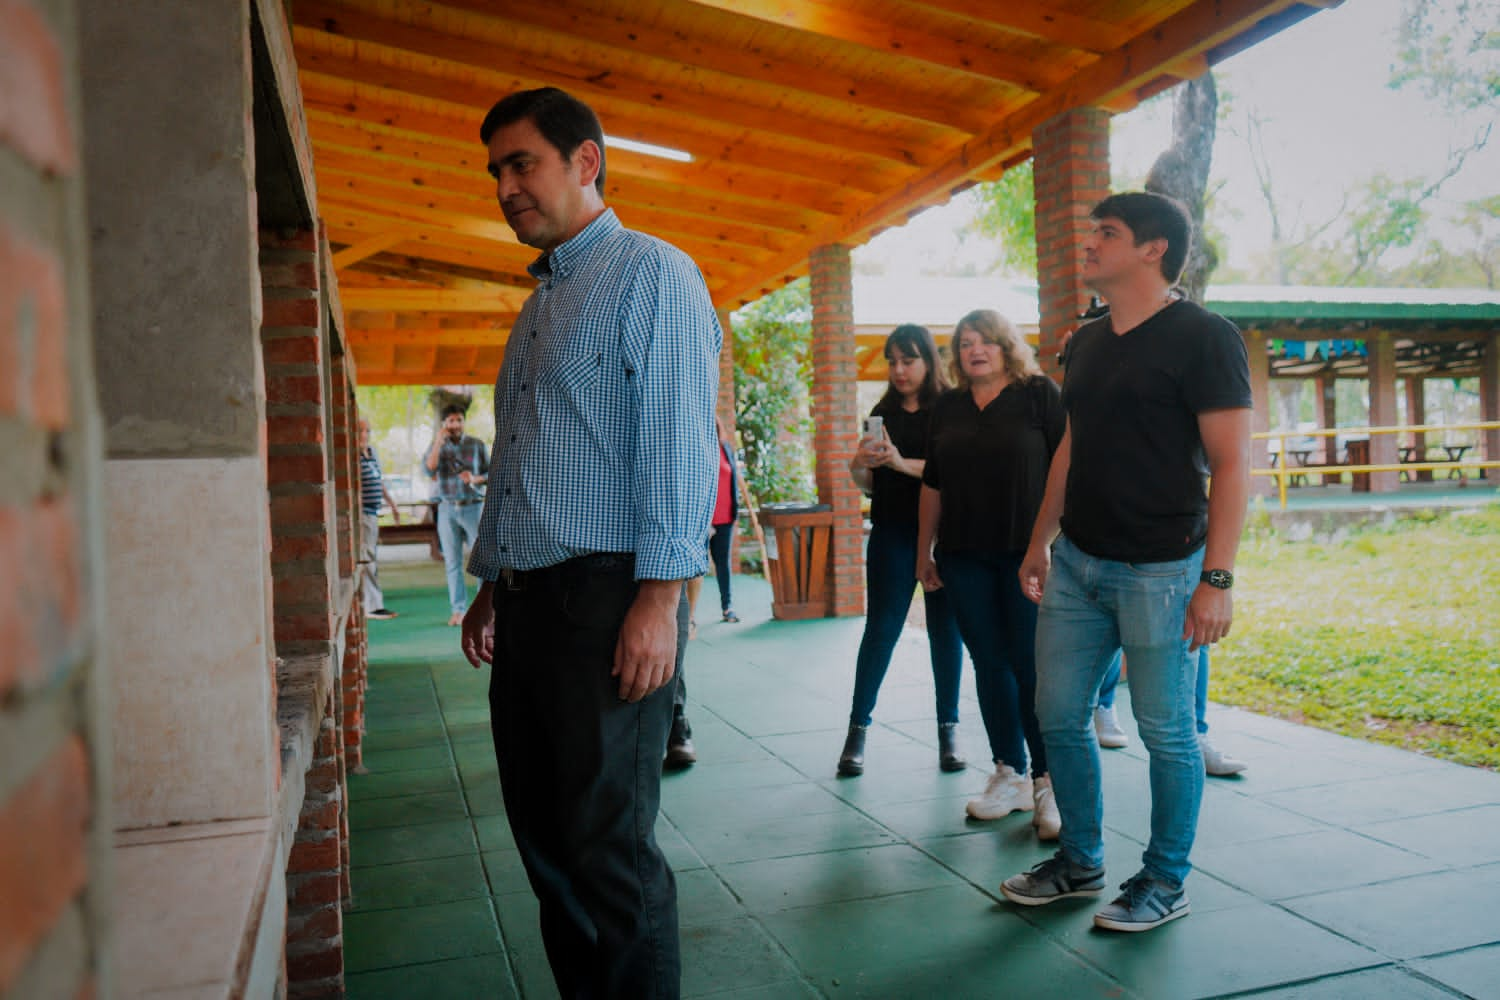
column 991, row 465
column 894, row 495
column 1137, row 471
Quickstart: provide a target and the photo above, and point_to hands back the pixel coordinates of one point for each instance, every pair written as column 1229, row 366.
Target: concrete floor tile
column 732, row 954
column 1387, row 983
column 413, row 759
column 1310, row 863
column 815, row 879
column 418, row 883
column 815, row 833
column 405, row 810
column 1461, row 838
column 1474, row 972
column 1413, row 917
column 493, row 833
column 702, row 898
column 366, row 787
column 523, row 945
column 486, row 976
column 387, row 939
column 392, row 845
column 690, row 804
column 1356, row 803
column 505, row 872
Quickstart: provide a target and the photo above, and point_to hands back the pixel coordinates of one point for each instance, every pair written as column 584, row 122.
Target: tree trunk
column 1182, row 172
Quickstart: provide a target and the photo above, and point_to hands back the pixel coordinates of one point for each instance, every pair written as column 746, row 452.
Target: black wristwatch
column 1220, row 578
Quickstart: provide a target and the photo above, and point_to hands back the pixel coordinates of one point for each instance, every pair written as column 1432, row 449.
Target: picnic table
column 418, row 527
column 1301, row 457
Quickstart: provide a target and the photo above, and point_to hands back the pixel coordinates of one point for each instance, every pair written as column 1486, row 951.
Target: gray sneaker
column 1217, row 763
column 1053, row 879
column 1146, row 902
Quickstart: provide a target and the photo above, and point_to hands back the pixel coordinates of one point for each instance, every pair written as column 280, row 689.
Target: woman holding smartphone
column 888, row 466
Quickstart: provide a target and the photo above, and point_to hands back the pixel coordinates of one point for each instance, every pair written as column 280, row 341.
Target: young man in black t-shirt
column 1158, row 400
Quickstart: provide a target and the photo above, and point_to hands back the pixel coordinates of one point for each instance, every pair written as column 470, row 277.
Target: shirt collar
column 561, row 260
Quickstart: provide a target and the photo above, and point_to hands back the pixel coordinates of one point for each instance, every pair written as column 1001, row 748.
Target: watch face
column 1221, row 578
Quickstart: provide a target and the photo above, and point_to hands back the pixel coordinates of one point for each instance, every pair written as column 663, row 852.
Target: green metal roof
column 1246, row 303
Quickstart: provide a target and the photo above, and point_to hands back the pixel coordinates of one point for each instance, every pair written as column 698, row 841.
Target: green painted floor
column 1333, row 869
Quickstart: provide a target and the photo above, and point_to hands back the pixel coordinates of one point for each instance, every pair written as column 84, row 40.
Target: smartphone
column 874, row 428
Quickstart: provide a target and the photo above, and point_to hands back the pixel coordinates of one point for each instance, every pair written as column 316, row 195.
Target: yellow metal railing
column 1283, row 473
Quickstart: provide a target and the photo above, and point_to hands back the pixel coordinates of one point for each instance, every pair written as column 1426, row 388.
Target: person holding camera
column 458, row 465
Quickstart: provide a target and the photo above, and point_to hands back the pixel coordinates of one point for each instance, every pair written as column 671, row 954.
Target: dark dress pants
column 581, row 775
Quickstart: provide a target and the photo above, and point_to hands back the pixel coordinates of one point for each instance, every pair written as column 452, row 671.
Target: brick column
column 353, row 683
column 1070, row 161
column 835, row 414
column 53, row 796
column 342, row 419
column 317, row 875
column 1382, row 368
column 726, row 412
column 298, row 468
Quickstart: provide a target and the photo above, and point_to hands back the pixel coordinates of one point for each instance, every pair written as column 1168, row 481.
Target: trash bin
column 797, row 544
column 1358, row 450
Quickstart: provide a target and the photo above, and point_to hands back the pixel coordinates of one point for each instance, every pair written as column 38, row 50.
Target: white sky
column 1330, row 122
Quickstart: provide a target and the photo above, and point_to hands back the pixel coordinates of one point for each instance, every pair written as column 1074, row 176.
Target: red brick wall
column 835, row 414
column 354, row 680
column 317, row 873
column 49, row 790
column 296, row 461
column 1071, row 167
column 342, row 417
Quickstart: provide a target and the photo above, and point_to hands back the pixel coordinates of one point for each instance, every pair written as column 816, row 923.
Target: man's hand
column 477, row 637
column 646, row 652
column 1208, row 616
column 1033, row 572
column 927, row 574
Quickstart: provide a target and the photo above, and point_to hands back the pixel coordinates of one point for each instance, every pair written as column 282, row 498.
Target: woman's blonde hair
column 1019, row 360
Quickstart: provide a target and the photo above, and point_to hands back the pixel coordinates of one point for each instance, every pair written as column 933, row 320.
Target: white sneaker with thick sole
column 1216, row 762
column 1006, row 792
column 1107, row 728
column 1045, row 817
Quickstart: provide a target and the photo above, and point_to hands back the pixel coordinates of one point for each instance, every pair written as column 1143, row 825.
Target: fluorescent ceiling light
column 649, row 149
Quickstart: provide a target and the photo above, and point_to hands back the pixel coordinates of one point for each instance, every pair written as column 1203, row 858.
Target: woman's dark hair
column 563, row 120
column 915, row 341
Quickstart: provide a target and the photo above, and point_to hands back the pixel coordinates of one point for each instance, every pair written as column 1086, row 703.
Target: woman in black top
column 991, row 444
column 889, row 468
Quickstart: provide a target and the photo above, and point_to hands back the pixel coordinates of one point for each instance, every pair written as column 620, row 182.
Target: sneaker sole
column 1136, row 926
column 982, row 814
column 1022, row 900
column 1113, row 744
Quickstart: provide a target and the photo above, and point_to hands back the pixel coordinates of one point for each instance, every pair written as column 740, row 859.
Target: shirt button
column 523, row 386
column 502, row 548
column 512, row 437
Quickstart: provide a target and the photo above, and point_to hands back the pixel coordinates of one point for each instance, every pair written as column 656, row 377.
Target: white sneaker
column 1005, row 793
column 1046, row 819
column 1107, row 728
column 1216, row 762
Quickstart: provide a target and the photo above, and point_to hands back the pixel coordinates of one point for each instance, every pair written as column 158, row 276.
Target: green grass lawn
column 1391, row 634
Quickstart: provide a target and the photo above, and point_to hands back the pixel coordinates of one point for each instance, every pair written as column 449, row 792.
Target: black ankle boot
column 680, row 750
column 949, row 759
column 852, row 760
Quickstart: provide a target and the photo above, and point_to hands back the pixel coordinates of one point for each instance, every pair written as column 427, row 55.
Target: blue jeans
column 1092, row 607
column 890, row 579
column 1200, row 696
column 998, row 624
column 457, row 525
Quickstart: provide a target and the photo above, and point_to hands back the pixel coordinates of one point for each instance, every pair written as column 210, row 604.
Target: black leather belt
column 461, row 503
column 518, row 580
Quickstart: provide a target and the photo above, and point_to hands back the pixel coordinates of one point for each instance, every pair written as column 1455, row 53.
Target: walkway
column 1335, row 868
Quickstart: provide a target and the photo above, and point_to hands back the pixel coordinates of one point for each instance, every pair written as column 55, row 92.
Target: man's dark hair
column 453, row 408
column 1152, row 216
column 913, row 341
column 563, row 120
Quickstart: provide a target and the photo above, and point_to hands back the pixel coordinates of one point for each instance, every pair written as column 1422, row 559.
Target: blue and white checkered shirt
column 604, row 412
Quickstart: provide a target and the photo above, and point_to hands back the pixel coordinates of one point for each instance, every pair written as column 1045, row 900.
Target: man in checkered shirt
column 601, row 489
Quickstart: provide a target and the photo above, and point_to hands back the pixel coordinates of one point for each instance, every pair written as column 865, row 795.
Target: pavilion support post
column 1416, row 416
column 835, row 416
column 1383, row 447
column 1260, row 395
column 1071, row 167
column 1489, row 401
column 726, row 411
column 1328, row 419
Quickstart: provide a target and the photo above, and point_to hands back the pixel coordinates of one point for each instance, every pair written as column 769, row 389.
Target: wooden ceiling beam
column 477, row 337
column 954, row 49
column 384, row 109
column 586, row 81
column 700, row 52
column 497, row 299
column 1194, row 29
column 367, row 248
column 455, row 376
column 1043, row 21
column 829, row 196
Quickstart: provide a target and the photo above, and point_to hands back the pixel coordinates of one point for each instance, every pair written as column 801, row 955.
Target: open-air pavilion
column 218, row 218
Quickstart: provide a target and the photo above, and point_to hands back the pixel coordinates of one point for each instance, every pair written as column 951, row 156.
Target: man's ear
column 1155, row 249
column 587, row 158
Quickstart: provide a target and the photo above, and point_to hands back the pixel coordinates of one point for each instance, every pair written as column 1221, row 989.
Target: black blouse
column 990, row 465
column 894, row 495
